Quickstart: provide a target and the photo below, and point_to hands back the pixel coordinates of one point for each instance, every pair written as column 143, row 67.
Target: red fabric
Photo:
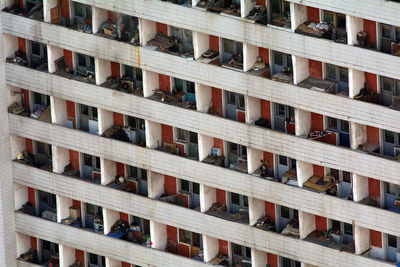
column 76, row 203
column 181, row 148
column 261, row 2
column 115, row 70
column 164, row 83
column 183, row 249
column 65, row 9
column 125, row 264
column 118, row 119
column 266, row 110
column 74, row 159
column 221, row 197
column 68, row 58
column 370, row 29
column 317, row 122
column 270, row 158
column 270, row 210
column 216, row 99
column 172, row 233
column 169, row 185
column 163, row 28
column 22, row 44
column 80, row 256
column 373, row 135
column 241, row 116
column 272, row 260
column 223, row 247
column 264, row 54
column 290, row 128
column 318, row 170
column 374, row 188
column 315, row 68
column 214, row 43
column 328, row 139
column 96, row 176
column 167, row 134
column 371, row 80
column 29, row 145
column 132, row 185
column 34, row 242
column 124, row 217
column 219, row 143
column 313, row 14
column 32, row 196
column 320, row 223
column 70, row 109
column 25, row 99
column 120, row 169
column 112, row 17
column 376, row 238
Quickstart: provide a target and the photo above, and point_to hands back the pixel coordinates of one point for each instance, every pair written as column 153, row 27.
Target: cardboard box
column 75, row 212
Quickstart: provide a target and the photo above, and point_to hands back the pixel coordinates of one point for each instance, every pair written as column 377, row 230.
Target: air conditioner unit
column 216, row 151
column 396, row 151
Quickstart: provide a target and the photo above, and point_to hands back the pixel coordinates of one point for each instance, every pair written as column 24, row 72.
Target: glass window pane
column 139, row 75
column 343, row 75
column 94, row 113
column 193, row 137
column 328, row 16
column 390, row 188
column 346, row 177
column 196, row 188
column 133, row 171
column 237, row 249
column 392, row 242
column 285, row 212
column 389, row 137
column 387, row 84
column 88, row 12
column 397, row 87
column 185, row 185
column 348, row 229
column 178, row 85
column 332, row 123
column 235, row 199
column 128, row 71
column 46, row 245
column 81, row 60
column 41, row 148
column 278, row 58
column 341, row 20
column 97, row 163
column 280, row 110
column 131, row 122
column 245, row 201
column 331, row 71
column 397, row 33
column 190, row 87
column 90, row 209
column 283, row 160
column 335, row 226
column 239, row 48
column 144, row 174
column 296, row 214
column 228, row 46
column 344, row 126
column 241, row 101
column 196, row 239
column 78, row 9
column 231, row 98
column 289, row 61
column 36, row 48
column 386, row 31
column 87, row 160
column 84, row 110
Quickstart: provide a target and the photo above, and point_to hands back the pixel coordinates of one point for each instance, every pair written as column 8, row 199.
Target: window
column 88, row 111
column 231, row 48
column 137, row 173
column 190, row 187
column 241, row 251
column 48, row 199
column 338, row 21
column 392, row 241
column 239, row 200
column 187, row 88
column 184, row 38
column 390, row 89
column 281, row 61
column 193, row 239
column 94, row 210
column 343, row 228
column 391, row 143
column 279, row 8
column 339, row 75
column 82, row 11
column 340, row 125
column 185, row 136
column 235, row 99
column 84, row 63
column 389, row 34
column 91, row 161
column 286, row 262
column 96, row 260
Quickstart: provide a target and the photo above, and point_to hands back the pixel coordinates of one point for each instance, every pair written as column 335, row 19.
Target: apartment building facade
column 200, row 133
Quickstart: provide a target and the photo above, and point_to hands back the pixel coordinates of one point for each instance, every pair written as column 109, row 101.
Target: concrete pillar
column 108, row 170
column 99, row 17
column 356, row 82
column 354, row 25
column 361, row 239
column 147, row 30
column 254, row 157
column 253, row 109
column 306, row 223
column 298, row 15
column 20, row 196
column 113, row 263
column 302, row 120
column 60, row 158
column 201, row 43
column 210, row 248
column 250, row 53
column 58, row 109
column 150, row 82
column 53, row 53
column 110, row 217
column 245, row 7
column 102, row 69
column 105, row 120
column 23, row 243
column 304, row 172
column 256, row 210
column 208, row 196
column 155, row 183
column 258, row 258
column 205, row 145
column 360, row 187
column 358, row 134
column 47, row 5
column 63, row 205
column 300, row 69
column 17, row 145
column 203, row 97
column 158, row 233
column 10, row 45
column 153, row 134
column 67, row 255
